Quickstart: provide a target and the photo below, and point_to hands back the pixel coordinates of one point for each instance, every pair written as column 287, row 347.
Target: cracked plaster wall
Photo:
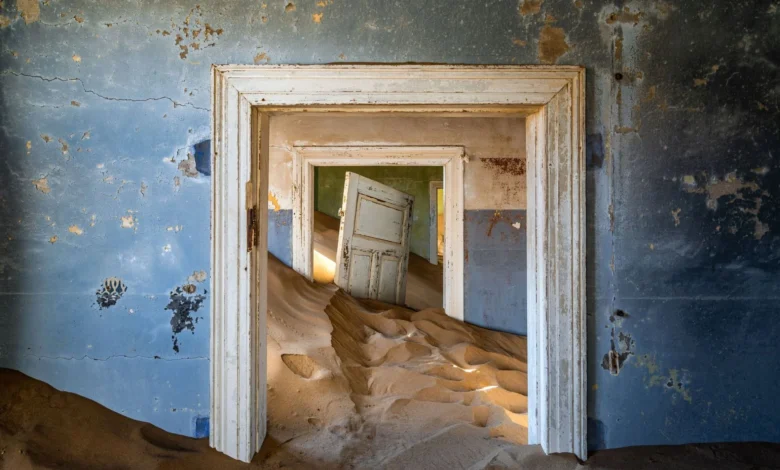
column 101, row 104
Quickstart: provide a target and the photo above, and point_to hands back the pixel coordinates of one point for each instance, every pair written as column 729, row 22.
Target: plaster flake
column 129, row 221
column 29, row 9
column 42, row 185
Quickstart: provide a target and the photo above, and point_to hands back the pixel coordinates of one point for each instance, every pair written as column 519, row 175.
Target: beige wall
column 495, row 174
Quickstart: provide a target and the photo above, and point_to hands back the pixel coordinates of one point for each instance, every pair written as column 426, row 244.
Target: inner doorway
column 424, row 284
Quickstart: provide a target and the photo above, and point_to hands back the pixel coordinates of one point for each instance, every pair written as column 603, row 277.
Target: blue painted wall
column 280, row 234
column 101, row 103
column 495, row 291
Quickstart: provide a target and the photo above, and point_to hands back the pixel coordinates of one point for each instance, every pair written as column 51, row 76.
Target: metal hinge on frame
column 251, row 228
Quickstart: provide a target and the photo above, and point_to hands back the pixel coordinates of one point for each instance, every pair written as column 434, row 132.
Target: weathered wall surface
column 411, row 180
column 102, row 103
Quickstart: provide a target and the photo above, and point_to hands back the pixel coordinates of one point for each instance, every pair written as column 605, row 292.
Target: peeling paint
column 42, row 185
column 676, row 216
column 197, row 276
column 112, row 290
column 128, row 221
column 188, row 167
column 273, row 202
column 183, row 303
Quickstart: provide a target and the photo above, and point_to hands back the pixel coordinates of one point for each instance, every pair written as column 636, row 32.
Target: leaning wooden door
column 373, row 250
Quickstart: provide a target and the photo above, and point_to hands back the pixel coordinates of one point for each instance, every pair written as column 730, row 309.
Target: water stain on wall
column 552, row 43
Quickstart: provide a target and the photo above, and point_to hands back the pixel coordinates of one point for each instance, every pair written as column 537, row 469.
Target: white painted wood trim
column 237, row 332
column 433, row 215
column 553, row 98
column 305, row 158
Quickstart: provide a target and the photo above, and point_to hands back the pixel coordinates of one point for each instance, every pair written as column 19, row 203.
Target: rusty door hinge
column 251, row 228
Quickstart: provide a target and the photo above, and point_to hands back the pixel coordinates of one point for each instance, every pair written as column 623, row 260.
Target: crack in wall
column 110, row 98
column 124, row 356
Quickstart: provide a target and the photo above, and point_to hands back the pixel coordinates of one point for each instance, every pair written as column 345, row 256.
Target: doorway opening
column 424, row 280
column 551, row 98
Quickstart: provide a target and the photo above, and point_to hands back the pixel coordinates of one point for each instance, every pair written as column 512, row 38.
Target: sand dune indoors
column 379, row 385
column 351, row 385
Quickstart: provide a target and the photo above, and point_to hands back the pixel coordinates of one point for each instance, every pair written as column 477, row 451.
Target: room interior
column 110, row 296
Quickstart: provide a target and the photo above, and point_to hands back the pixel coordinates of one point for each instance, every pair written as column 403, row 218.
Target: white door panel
column 373, row 251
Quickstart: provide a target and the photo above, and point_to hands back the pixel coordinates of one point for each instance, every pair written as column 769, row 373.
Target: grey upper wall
column 101, row 104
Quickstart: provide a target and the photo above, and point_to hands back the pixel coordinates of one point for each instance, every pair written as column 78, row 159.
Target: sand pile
column 351, row 385
column 376, row 385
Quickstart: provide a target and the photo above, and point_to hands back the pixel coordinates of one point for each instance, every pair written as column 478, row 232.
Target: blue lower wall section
column 495, row 291
column 280, row 235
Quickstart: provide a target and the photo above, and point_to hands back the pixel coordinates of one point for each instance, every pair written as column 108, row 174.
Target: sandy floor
column 351, row 385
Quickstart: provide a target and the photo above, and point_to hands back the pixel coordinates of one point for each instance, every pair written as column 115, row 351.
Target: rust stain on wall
column 262, row 57
column 530, row 7
column 29, row 9
column 552, row 44
column 625, row 16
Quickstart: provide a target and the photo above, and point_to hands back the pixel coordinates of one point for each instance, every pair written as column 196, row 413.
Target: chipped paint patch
column 183, row 303
column 42, row 185
column 317, row 17
column 29, row 9
column 76, row 58
column 53, row 239
column 289, row 7
column 716, row 188
column 676, row 216
column 74, row 229
column 197, row 276
column 112, row 290
column 128, row 221
column 273, row 202
column 188, row 167
column 4, row 21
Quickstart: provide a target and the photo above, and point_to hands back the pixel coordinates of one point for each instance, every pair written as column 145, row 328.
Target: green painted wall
column 413, row 180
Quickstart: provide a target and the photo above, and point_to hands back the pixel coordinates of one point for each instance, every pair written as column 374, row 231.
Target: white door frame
column 450, row 157
column 433, row 215
column 552, row 97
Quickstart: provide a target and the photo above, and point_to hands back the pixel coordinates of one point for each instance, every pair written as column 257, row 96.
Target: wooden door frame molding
column 450, row 157
column 433, row 223
column 552, row 97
